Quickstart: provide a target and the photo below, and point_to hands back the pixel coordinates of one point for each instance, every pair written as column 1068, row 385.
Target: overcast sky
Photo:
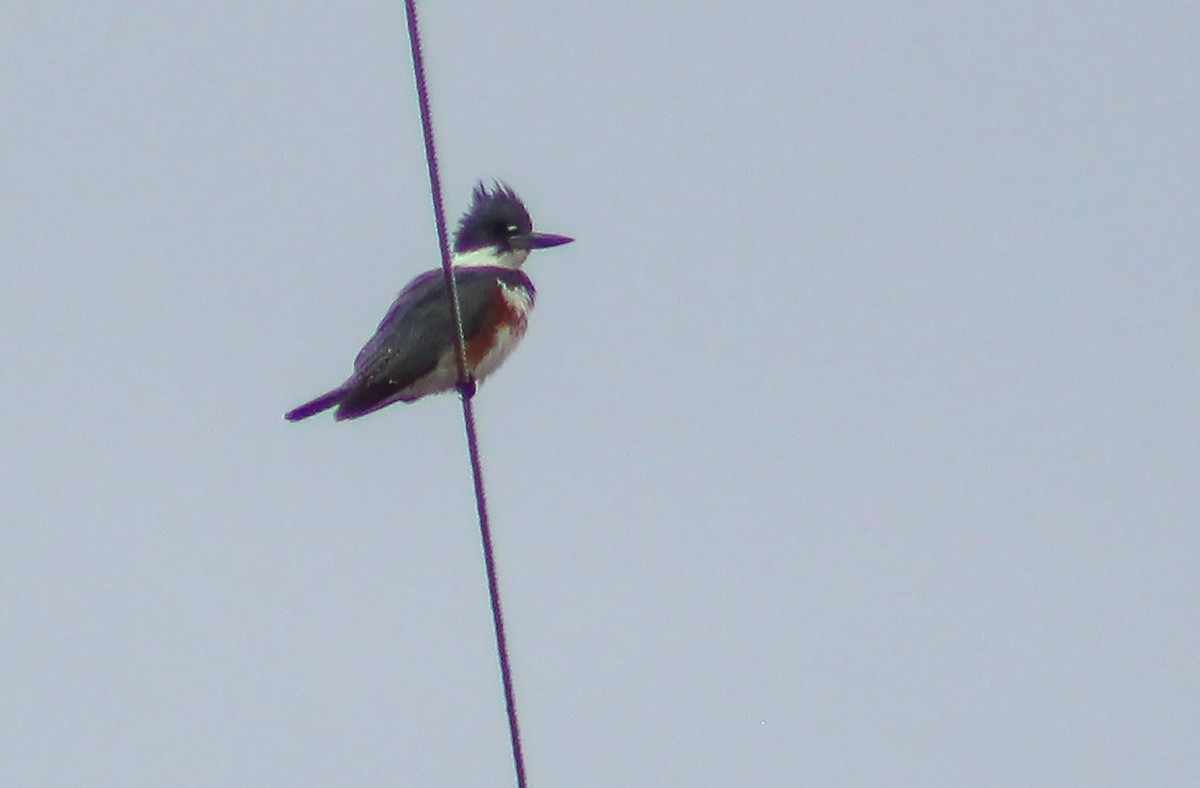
column 856, row 441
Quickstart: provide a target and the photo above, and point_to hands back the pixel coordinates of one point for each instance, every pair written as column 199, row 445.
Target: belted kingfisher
column 412, row 352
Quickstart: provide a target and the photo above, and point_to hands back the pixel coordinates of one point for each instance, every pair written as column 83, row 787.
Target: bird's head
column 498, row 226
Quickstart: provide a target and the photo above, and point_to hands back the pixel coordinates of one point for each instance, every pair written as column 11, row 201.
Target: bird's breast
column 502, row 329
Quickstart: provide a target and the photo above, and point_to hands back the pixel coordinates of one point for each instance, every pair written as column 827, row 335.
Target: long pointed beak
column 538, row 240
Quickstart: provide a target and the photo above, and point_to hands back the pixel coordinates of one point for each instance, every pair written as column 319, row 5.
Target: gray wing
column 415, row 333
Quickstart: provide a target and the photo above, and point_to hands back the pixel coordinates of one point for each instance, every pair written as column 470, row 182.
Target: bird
column 412, row 354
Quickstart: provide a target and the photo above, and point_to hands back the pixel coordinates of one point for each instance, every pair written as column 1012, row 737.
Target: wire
column 466, row 387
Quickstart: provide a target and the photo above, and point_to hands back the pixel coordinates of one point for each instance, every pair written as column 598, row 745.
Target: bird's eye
column 513, row 228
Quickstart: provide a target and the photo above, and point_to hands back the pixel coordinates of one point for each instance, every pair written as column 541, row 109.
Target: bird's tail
column 313, row 407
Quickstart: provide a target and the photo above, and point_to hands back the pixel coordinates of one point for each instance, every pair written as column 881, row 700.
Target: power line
column 466, row 387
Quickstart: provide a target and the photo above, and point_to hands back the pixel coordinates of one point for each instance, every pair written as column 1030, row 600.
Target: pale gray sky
column 854, row 443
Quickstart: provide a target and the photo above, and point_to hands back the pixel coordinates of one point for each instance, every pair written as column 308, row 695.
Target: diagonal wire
column 466, row 387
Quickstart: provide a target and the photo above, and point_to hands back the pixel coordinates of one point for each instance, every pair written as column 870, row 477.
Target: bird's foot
column 466, row 388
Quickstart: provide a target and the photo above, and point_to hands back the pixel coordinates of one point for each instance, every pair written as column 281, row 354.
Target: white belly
column 509, row 336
